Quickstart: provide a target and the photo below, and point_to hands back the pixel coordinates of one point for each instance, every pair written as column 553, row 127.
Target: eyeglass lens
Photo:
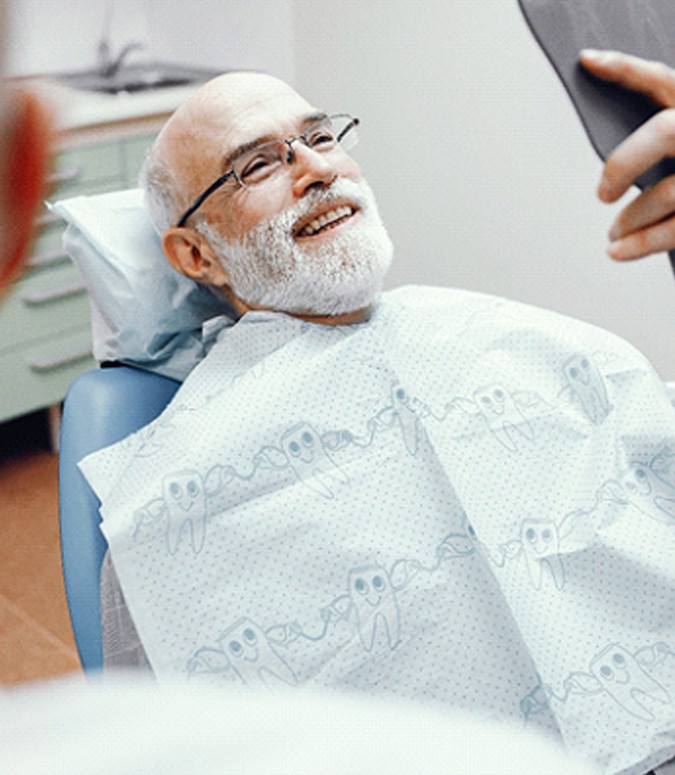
column 261, row 163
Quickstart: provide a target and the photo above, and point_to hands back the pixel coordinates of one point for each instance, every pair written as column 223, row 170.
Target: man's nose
column 310, row 169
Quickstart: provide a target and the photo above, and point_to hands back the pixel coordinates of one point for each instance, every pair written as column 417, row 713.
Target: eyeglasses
column 265, row 162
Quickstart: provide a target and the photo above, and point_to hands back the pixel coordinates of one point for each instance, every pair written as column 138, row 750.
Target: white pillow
column 143, row 312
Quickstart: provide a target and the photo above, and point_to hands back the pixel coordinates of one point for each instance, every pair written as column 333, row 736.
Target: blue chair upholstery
column 102, row 407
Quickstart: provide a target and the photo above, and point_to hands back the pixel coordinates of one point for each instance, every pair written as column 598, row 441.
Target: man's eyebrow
column 307, row 120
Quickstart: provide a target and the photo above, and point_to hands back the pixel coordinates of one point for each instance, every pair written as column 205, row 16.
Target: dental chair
column 114, row 247
column 102, row 406
column 144, row 314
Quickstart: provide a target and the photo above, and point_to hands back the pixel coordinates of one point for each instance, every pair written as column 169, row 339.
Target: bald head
column 230, row 110
column 256, row 196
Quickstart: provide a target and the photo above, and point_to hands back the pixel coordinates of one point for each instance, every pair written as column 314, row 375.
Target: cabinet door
column 89, row 168
column 43, row 305
column 39, row 374
column 45, row 339
column 135, row 151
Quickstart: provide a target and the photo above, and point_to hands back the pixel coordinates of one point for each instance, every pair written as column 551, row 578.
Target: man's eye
column 321, row 138
column 259, row 168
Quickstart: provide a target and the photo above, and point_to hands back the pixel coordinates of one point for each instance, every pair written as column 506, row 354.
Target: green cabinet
column 45, row 339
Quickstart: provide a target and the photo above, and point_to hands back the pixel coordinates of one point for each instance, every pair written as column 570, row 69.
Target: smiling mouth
column 326, row 221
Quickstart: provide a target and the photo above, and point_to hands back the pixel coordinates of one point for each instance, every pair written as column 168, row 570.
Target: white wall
column 50, row 37
column 484, row 175
column 235, row 34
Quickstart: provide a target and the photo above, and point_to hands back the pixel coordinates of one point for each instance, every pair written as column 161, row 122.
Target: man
column 255, row 242
column 322, row 502
column 252, row 237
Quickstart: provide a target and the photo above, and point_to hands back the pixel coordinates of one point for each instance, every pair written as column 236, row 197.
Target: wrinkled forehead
column 251, row 104
column 231, row 111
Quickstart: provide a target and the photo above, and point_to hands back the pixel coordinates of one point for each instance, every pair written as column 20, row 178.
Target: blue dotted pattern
column 465, row 501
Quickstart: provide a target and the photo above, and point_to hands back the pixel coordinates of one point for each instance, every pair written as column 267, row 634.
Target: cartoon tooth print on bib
column 310, row 460
column 185, row 500
column 183, row 505
column 649, row 493
column 374, row 601
column 588, row 387
column 626, row 682
column 616, row 673
column 407, row 418
column 502, row 415
column 541, row 545
column 245, row 650
column 252, row 656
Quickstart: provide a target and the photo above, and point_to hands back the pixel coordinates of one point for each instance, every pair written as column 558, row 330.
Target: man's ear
column 28, row 142
column 190, row 254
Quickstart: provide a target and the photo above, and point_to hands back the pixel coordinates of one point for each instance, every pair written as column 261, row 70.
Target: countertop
column 75, row 109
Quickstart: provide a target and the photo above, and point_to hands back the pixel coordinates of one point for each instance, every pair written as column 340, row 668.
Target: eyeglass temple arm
column 354, row 122
column 199, row 201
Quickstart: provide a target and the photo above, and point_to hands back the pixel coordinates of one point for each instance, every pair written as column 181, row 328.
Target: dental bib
column 465, row 502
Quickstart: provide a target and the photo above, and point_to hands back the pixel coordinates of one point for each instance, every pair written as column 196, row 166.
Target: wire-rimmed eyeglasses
column 261, row 164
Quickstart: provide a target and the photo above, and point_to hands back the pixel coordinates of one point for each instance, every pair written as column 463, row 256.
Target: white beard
column 340, row 274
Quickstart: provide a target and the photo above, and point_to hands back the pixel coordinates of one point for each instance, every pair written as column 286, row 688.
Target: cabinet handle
column 47, row 258
column 65, row 175
column 53, row 294
column 56, row 361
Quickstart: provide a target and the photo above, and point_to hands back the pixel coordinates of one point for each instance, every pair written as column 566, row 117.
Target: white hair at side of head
column 160, row 187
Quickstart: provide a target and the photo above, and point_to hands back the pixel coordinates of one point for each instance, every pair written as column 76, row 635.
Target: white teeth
column 323, row 220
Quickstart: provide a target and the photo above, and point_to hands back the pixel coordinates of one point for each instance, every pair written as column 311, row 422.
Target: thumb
column 654, row 80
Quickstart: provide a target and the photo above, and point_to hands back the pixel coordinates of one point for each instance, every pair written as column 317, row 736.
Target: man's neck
column 345, row 319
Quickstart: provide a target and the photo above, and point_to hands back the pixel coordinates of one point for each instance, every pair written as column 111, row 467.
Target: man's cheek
column 246, row 215
column 351, row 170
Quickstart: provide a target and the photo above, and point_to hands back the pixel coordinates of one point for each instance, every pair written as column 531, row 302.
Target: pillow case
column 143, row 312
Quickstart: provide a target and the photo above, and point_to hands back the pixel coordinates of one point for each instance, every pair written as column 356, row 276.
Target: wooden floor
column 35, row 637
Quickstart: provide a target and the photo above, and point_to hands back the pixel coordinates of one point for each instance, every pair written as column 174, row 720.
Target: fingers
column 649, row 208
column 655, row 139
column 647, row 224
column 647, row 145
column 652, row 239
column 653, row 79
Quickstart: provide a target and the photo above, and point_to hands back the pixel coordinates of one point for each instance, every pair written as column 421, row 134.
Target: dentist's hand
column 647, row 224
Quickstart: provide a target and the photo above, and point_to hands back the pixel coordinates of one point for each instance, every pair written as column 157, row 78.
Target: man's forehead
column 248, row 103
column 229, row 112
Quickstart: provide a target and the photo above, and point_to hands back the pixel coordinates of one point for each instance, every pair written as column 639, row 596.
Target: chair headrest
column 143, row 311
